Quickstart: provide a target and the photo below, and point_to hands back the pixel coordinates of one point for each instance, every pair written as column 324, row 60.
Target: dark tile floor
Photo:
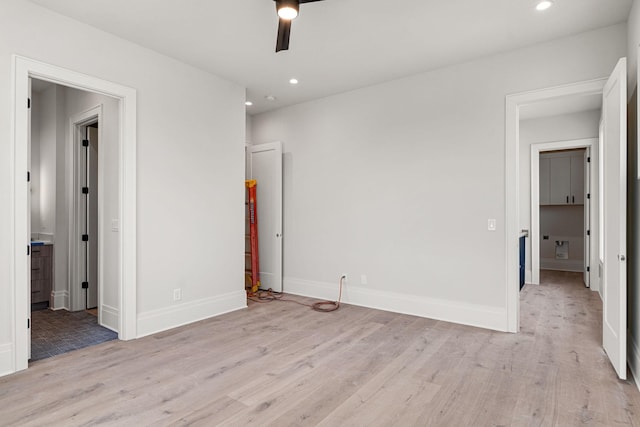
column 57, row 332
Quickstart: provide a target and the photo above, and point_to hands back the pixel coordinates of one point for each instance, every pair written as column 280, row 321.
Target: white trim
column 109, row 317
column 155, row 321
column 449, row 311
column 22, row 69
column 6, row 358
column 634, row 358
column 60, row 300
column 536, row 149
column 512, row 183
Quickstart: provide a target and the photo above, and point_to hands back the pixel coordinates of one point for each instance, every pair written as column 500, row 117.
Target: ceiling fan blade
column 284, row 31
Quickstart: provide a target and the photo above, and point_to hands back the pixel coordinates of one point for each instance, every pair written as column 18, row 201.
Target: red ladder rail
column 253, row 234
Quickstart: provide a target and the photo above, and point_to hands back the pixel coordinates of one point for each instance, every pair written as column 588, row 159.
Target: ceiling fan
column 287, row 11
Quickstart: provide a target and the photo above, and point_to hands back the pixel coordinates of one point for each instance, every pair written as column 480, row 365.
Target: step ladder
column 252, row 272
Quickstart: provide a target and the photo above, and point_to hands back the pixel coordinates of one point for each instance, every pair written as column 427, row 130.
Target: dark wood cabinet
column 41, row 273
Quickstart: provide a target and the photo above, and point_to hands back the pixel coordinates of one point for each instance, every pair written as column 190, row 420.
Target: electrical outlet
column 177, row 294
column 363, row 279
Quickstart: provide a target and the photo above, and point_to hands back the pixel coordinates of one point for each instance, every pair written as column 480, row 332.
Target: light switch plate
column 491, row 225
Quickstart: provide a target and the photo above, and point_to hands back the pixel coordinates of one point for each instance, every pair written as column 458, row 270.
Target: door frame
column 513, row 103
column 278, row 217
column 22, row 69
column 588, row 143
column 77, row 123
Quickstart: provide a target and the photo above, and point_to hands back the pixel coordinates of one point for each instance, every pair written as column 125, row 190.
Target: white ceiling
column 336, row 45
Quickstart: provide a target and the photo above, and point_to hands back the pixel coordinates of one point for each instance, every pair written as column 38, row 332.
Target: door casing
column 22, row 69
column 589, row 143
column 512, row 170
column 270, row 235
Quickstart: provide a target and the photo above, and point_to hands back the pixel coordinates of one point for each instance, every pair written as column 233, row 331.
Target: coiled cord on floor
column 322, row 306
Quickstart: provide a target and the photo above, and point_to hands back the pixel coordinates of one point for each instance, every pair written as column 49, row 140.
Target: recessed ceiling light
column 270, row 98
column 293, row 81
column 248, row 103
column 544, row 5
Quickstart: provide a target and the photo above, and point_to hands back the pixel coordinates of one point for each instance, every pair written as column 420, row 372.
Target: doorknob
column 278, row 235
column 622, row 258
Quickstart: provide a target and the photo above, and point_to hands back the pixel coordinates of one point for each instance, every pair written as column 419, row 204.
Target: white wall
column 563, row 127
column 43, row 161
column 190, row 168
column 34, row 164
column 397, row 181
column 562, row 223
column 248, row 135
column 48, row 138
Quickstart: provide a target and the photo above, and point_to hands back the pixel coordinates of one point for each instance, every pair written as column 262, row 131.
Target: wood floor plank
column 282, row 364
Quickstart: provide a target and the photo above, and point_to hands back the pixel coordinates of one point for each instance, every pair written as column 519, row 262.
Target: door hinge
column 588, row 195
column 85, row 142
column 28, row 323
column 28, row 176
column 85, row 190
column 588, row 232
column 588, row 159
column 28, row 249
column 588, row 269
column 85, row 285
column 85, row 237
column 28, row 102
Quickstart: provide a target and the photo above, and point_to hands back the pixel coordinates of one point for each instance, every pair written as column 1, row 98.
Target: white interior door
column 264, row 163
column 614, row 114
column 587, row 217
column 29, row 223
column 92, row 217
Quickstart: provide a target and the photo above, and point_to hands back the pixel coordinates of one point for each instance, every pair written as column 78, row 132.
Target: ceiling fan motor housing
column 282, row 4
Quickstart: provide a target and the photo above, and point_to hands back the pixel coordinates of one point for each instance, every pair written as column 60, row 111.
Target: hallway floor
column 61, row 331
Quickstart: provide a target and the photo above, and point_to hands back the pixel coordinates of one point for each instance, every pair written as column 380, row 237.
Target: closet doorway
column 563, row 187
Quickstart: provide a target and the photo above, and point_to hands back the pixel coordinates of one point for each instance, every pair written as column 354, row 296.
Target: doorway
column 124, row 276
column 89, row 215
column 60, row 299
column 264, row 164
column 564, row 208
column 613, row 91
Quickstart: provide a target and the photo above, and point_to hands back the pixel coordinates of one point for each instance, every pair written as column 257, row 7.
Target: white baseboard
column 6, row 359
column 562, row 264
column 110, row 317
column 162, row 319
column 528, row 275
column 634, row 358
column 60, row 300
column 451, row 311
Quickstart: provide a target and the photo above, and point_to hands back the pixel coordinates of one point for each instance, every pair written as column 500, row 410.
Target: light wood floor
column 282, row 364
